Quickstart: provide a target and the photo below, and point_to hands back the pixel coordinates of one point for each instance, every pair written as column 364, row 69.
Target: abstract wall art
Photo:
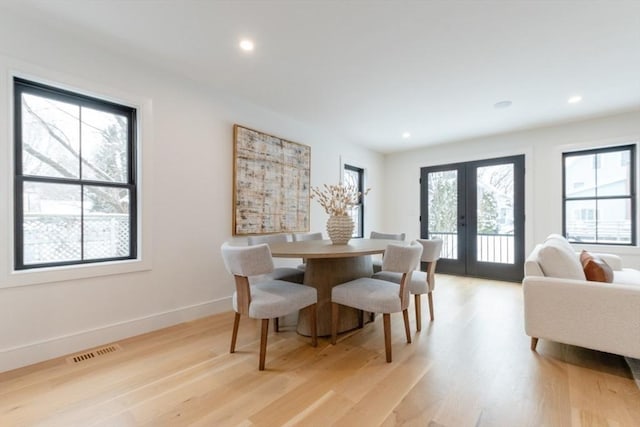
column 271, row 178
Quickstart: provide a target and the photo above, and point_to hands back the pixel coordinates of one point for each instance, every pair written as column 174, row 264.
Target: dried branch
column 336, row 200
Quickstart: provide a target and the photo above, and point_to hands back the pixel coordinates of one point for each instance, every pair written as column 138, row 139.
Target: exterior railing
column 608, row 231
column 496, row 248
column 449, row 244
column 499, row 248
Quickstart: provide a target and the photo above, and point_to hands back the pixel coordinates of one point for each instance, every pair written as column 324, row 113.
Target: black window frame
column 23, row 86
column 360, row 172
column 632, row 191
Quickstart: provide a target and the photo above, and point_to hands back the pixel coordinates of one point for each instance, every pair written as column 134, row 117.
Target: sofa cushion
column 557, row 259
column 627, row 276
column 561, row 241
column 595, row 269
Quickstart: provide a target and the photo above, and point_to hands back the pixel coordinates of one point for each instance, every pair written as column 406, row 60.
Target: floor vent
column 92, row 354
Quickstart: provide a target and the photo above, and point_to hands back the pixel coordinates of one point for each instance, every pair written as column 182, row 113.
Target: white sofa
column 560, row 305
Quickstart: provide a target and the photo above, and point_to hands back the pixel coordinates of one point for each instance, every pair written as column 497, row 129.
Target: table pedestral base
column 323, row 274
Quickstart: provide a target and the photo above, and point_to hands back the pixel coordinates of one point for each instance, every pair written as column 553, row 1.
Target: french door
column 477, row 209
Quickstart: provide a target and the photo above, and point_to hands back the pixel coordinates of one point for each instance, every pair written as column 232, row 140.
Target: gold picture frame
column 271, row 183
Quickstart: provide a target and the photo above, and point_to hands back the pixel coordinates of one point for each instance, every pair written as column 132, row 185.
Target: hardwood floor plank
column 472, row 366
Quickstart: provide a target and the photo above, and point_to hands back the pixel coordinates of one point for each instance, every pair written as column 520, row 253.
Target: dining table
column 328, row 265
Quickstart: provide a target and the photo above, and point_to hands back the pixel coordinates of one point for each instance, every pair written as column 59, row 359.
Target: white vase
column 340, row 229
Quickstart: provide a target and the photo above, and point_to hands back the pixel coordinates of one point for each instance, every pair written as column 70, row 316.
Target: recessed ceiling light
column 246, row 45
column 406, row 135
column 574, row 99
column 502, row 104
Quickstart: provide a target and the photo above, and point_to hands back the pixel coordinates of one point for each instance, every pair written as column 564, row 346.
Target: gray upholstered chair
column 380, row 296
column 288, row 274
column 303, row 237
column 422, row 282
column 268, row 299
column 377, row 263
column 268, row 238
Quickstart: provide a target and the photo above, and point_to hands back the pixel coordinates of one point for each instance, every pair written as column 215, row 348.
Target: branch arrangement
column 336, row 200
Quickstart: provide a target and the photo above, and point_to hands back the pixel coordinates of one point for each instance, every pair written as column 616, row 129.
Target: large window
column 600, row 196
column 354, row 176
column 75, row 180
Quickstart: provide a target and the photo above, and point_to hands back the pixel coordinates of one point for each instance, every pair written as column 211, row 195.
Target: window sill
column 610, row 249
column 72, row 272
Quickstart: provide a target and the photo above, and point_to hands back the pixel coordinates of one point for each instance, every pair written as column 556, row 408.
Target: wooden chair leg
column 407, row 332
column 418, row 311
column 276, row 324
column 263, row 343
column 334, row 321
column 534, row 343
column 314, row 325
column 234, row 334
column 430, row 295
column 386, row 317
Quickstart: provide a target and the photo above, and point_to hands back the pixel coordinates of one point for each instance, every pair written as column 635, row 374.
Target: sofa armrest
column 600, row 316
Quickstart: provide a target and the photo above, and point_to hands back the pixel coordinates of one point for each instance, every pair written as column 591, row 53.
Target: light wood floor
column 471, row 367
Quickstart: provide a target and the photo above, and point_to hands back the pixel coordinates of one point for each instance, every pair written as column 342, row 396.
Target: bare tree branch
column 44, row 159
column 59, row 136
column 65, row 144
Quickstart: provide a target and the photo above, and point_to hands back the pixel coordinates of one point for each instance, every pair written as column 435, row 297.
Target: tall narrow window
column 75, row 181
column 355, row 177
column 599, row 196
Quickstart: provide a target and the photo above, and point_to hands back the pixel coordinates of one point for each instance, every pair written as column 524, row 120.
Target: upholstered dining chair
column 268, row 238
column 377, row 263
column 303, row 237
column 380, row 296
column 288, row 274
column 422, row 282
column 267, row 299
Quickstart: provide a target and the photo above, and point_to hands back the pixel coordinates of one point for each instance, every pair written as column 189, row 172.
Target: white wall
column 188, row 182
column 542, row 147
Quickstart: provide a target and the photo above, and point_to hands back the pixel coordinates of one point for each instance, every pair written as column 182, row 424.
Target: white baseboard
column 39, row 351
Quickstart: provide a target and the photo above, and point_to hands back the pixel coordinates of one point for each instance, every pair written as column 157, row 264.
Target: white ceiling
column 369, row 70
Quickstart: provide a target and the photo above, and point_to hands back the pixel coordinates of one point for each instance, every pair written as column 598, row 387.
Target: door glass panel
column 495, row 207
column 443, row 210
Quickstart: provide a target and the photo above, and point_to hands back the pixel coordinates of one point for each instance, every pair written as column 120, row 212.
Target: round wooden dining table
column 328, row 265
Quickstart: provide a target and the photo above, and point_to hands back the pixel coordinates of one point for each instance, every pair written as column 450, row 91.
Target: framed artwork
column 271, row 183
